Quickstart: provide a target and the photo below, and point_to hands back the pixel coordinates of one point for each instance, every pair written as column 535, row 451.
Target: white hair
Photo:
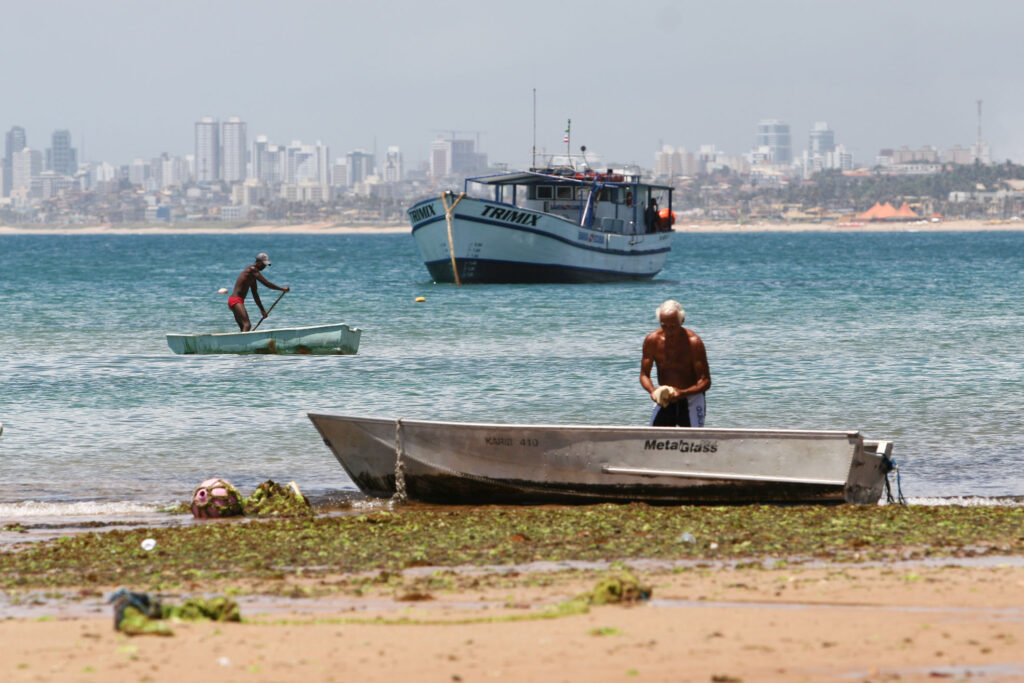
column 669, row 307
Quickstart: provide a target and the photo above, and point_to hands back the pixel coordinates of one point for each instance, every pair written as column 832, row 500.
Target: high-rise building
column 173, row 171
column 823, row 139
column 301, row 163
column 669, row 161
column 208, row 165
column 235, row 149
column 982, row 153
column 103, row 172
column 455, row 157
column 323, row 163
column 392, row 171
column 139, row 171
column 269, row 161
column 339, row 173
column 274, row 164
column 307, row 163
column 839, row 158
column 61, row 157
column 14, row 141
column 25, row 164
column 466, row 159
column 359, row 166
column 258, row 162
column 774, row 134
column 440, row 159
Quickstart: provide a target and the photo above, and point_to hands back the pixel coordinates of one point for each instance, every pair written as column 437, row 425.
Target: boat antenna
column 583, row 153
column 533, row 162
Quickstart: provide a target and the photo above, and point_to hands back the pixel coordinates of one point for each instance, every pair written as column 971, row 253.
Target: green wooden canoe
column 338, row 338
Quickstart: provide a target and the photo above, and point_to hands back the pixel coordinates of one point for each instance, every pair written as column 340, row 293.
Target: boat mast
column 568, row 144
column 533, row 161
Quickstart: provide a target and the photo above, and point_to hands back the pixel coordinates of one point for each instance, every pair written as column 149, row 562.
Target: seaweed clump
column 272, row 499
column 616, row 588
column 138, row 614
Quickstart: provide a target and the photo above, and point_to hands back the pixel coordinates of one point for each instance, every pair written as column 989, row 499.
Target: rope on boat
column 899, row 486
column 448, row 212
column 400, row 495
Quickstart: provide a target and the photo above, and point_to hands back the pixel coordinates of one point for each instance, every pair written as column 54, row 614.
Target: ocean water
column 913, row 337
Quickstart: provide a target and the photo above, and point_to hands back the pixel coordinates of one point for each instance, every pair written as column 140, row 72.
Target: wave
column 969, row 501
column 32, row 509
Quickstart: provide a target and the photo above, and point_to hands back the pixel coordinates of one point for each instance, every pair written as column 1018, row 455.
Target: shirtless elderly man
column 683, row 373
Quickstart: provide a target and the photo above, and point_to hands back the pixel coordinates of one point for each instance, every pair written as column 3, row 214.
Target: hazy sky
column 132, row 77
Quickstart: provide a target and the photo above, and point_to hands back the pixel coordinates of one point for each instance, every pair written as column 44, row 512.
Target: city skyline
column 218, row 154
column 883, row 75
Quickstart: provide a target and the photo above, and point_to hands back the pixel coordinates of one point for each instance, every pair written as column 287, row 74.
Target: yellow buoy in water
column 222, row 290
column 420, row 299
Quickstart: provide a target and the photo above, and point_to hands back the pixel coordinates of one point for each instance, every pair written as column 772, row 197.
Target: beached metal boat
column 450, row 462
column 554, row 224
column 337, row 338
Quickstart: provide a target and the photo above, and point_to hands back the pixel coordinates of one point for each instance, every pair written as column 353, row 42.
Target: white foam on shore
column 968, row 501
column 31, row 509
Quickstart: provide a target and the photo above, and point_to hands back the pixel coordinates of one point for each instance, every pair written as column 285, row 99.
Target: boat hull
column 464, row 463
column 333, row 339
column 496, row 244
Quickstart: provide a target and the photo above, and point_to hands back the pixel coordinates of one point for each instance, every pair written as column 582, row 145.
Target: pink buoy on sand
column 215, row 498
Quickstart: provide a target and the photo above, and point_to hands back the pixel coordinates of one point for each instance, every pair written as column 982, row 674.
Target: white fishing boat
column 455, row 463
column 555, row 224
column 336, row 338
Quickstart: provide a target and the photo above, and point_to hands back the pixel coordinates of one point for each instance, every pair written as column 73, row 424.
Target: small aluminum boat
column 471, row 463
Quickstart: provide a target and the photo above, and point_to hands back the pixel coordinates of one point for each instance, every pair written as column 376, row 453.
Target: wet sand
column 390, row 228
column 904, row 621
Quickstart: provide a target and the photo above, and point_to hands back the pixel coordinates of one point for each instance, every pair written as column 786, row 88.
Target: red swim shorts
column 232, row 300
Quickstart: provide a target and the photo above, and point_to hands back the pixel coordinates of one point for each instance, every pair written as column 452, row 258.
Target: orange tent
column 905, row 212
column 871, row 214
column 879, row 212
column 887, row 211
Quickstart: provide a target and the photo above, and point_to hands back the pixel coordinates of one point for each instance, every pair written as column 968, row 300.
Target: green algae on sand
column 410, row 536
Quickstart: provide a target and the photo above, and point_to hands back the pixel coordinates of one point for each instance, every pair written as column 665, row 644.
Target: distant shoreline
column 207, row 229
column 395, row 228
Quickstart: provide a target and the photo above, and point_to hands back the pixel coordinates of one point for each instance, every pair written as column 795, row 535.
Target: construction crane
column 454, row 132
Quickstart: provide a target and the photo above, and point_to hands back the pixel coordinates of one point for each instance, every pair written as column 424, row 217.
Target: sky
column 131, row 78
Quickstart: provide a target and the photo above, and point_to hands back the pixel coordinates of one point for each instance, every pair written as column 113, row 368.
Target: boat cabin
column 602, row 201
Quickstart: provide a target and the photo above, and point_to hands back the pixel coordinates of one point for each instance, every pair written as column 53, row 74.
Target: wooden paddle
column 268, row 312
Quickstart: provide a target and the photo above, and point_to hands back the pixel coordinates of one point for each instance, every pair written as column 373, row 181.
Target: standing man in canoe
column 246, row 281
column 683, row 372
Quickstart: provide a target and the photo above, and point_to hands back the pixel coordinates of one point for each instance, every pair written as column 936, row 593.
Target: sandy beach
column 907, row 622
column 861, row 593
column 390, row 228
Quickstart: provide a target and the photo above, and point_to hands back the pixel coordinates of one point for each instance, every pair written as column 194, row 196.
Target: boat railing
column 883, row 448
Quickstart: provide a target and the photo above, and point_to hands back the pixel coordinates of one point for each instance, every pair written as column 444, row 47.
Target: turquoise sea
column 916, row 337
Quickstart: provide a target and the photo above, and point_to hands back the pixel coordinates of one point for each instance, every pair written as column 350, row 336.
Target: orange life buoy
column 629, row 198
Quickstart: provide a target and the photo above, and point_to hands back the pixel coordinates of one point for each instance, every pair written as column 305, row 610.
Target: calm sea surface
column 914, row 337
